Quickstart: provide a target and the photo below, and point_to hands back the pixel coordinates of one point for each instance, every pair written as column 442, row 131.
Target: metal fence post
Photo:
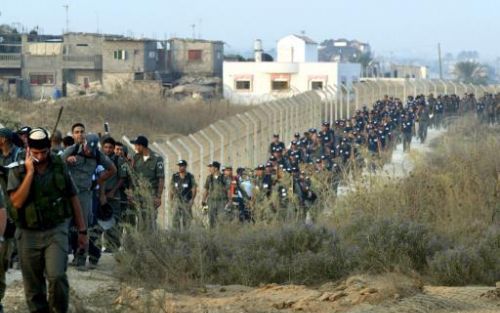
column 166, row 168
column 210, row 143
column 174, row 148
column 190, row 153
column 202, row 155
column 221, row 136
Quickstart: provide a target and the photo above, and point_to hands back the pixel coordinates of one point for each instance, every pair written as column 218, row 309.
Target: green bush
column 477, row 263
column 390, row 244
column 234, row 254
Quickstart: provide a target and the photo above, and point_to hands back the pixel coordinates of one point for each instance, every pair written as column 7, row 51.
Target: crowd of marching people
column 336, row 150
column 66, row 195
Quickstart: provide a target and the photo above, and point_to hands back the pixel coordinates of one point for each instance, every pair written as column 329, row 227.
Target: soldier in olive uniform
column 149, row 166
column 182, row 194
column 9, row 158
column 44, row 197
column 82, row 159
column 4, row 255
column 215, row 195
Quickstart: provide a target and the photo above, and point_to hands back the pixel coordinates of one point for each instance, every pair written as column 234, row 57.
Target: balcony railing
column 10, row 60
column 82, row 61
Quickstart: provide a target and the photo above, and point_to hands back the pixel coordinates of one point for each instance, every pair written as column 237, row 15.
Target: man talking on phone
column 45, row 198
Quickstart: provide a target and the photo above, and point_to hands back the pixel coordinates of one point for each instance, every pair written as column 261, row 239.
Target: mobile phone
column 106, row 127
column 34, row 159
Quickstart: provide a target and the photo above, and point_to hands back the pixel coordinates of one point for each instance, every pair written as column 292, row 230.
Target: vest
column 47, row 205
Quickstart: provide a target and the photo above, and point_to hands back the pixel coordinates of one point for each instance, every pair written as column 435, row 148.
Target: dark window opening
column 317, row 85
column 194, row 55
column 42, row 79
column 243, row 85
column 279, row 85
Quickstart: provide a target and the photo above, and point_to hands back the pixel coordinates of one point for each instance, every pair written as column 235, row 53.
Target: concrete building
column 195, row 57
column 82, row 58
column 128, row 59
column 408, row 71
column 10, row 63
column 35, row 66
column 254, row 82
column 342, row 50
column 297, row 49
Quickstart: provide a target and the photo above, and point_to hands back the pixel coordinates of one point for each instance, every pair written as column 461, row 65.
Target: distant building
column 297, row 70
column 128, row 59
column 195, row 57
column 297, row 49
column 35, row 66
column 407, row 71
column 342, row 50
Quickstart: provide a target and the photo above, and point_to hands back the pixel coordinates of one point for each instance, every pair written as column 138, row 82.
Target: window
column 279, row 85
column 243, row 85
column 152, row 54
column 316, row 85
column 194, row 55
column 119, row 54
column 42, row 79
column 139, row 76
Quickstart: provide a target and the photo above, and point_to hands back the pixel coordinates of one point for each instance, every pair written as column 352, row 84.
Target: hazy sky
column 400, row 27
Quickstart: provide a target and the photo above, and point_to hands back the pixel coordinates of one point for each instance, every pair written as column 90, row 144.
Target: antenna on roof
column 193, row 26
column 97, row 21
column 66, row 8
column 199, row 28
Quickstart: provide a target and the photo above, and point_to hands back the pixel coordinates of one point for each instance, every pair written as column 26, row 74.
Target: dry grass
column 436, row 223
column 127, row 113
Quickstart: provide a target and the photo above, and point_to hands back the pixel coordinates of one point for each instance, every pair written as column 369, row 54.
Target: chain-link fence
column 243, row 140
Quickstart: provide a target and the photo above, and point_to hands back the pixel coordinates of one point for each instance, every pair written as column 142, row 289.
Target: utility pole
column 66, row 8
column 440, row 62
column 97, row 20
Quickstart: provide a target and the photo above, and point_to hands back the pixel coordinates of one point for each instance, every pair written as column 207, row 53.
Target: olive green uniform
column 182, row 195
column 150, row 170
column 217, row 197
column 42, row 235
column 7, row 247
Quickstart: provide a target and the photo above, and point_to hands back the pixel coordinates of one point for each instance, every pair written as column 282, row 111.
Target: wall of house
column 299, row 75
column 82, row 44
column 211, row 57
column 134, row 57
column 42, row 58
column 294, row 49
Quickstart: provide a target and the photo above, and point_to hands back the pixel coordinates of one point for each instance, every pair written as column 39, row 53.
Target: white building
column 297, row 70
column 297, row 49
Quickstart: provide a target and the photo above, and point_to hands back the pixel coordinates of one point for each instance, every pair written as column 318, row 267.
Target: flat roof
column 197, row 40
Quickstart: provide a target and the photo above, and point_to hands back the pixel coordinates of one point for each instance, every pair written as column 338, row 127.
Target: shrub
column 390, row 244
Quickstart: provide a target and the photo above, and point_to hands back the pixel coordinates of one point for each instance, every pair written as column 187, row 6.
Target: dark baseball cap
column 24, row 130
column 140, row 140
column 214, row 164
column 92, row 142
column 6, row 133
column 182, row 163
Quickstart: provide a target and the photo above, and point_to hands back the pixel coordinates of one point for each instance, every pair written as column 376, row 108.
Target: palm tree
column 471, row 72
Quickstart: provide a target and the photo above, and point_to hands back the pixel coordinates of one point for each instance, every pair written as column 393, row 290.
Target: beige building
column 195, row 57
